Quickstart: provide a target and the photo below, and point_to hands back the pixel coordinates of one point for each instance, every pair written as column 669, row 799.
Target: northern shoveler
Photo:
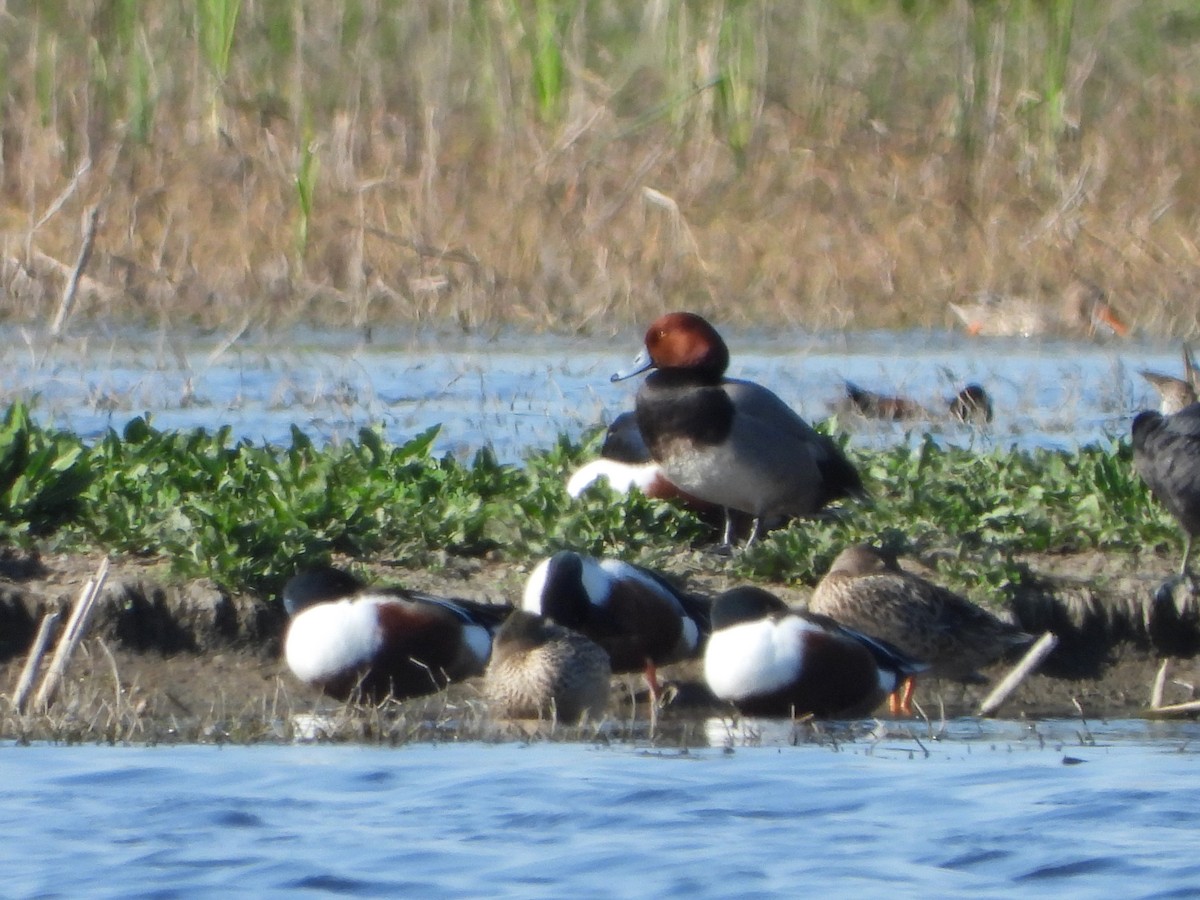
column 625, row 464
column 727, row 441
column 542, row 670
column 350, row 640
column 770, row 660
column 637, row 616
column 866, row 589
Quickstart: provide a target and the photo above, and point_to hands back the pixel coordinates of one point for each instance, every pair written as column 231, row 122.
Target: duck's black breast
column 675, row 407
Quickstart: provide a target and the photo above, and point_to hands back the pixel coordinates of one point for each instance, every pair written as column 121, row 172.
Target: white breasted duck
column 640, row 620
column 626, row 464
column 866, row 589
column 727, row 441
column 541, row 670
column 348, row 639
column 770, row 660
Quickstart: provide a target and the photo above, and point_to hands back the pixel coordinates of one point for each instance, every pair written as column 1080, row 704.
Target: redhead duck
column 346, row 638
column 866, row 589
column 1083, row 309
column 972, row 406
column 769, row 660
column 1166, row 454
column 1175, row 393
column 542, row 670
column 640, row 620
column 727, row 441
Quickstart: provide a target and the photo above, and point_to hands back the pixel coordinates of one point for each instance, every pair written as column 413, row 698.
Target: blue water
column 992, row 809
column 517, row 392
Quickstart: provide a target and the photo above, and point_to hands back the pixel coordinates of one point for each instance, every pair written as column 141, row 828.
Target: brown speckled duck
column 866, row 589
column 542, row 670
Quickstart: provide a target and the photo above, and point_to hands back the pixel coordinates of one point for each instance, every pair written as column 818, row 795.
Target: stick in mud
column 1022, row 670
column 37, row 651
column 1160, row 682
column 76, row 628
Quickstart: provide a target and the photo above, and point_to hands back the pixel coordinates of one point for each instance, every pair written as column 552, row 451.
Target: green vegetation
column 247, row 514
column 556, row 164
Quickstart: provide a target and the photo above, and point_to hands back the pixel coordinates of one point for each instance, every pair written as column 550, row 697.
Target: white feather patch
column 621, row 476
column 754, row 658
column 477, row 639
column 535, row 586
column 331, row 639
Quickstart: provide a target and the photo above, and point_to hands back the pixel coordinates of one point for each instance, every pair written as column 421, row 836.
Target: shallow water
column 1066, row 809
column 516, row 392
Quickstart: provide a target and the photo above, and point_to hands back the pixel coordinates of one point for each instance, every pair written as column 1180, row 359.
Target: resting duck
column 1166, row 454
column 867, row 590
column 971, row 405
column 1083, row 310
column 348, row 639
column 770, row 660
column 626, row 464
column 542, row 670
column 640, row 620
column 727, row 441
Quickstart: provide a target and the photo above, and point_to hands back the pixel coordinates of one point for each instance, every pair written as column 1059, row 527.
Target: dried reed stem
column 76, row 628
column 1030, row 661
column 72, row 285
column 1174, row 710
column 37, row 650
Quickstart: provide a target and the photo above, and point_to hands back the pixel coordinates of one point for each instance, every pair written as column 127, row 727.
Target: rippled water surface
column 992, row 810
column 514, row 392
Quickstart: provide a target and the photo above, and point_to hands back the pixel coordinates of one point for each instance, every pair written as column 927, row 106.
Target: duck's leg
column 900, row 700
column 727, row 538
column 652, row 683
column 754, row 529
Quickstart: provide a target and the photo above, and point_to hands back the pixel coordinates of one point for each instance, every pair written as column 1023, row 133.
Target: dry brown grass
column 442, row 195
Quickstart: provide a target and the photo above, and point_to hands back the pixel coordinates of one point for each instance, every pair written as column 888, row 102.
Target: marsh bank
column 168, row 658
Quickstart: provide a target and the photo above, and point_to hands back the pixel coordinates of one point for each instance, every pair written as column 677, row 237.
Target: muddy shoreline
column 187, row 660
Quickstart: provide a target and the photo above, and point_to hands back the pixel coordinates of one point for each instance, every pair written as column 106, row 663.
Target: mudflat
column 166, row 659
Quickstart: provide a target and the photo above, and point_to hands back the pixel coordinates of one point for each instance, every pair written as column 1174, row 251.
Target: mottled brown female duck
column 540, row 670
column 866, row 589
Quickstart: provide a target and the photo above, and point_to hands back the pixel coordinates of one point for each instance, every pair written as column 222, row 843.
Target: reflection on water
column 516, row 392
column 988, row 809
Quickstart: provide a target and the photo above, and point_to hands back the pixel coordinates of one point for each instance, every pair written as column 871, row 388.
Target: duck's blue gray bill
column 640, row 365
